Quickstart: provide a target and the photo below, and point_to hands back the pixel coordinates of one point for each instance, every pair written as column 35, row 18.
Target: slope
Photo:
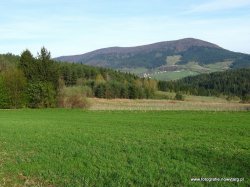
column 165, row 60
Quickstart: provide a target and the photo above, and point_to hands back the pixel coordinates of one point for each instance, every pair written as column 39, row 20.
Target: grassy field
column 191, row 68
column 190, row 103
column 173, row 75
column 219, row 66
column 58, row 147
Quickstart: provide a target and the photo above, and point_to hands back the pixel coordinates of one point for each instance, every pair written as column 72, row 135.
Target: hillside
column 231, row 83
column 165, row 60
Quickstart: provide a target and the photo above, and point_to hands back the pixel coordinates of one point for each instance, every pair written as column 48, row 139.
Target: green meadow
column 59, row 147
column 173, row 75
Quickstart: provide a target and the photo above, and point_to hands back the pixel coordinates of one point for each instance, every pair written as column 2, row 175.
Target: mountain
column 165, row 60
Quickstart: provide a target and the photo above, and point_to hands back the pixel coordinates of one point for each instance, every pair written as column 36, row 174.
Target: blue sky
column 77, row 26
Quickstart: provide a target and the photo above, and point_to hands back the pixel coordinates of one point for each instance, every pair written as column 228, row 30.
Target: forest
column 40, row 82
column 230, row 83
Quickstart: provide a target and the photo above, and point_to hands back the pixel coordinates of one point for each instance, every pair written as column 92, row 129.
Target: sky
column 69, row 27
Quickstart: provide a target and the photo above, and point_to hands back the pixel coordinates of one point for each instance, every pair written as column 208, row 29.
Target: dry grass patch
column 189, row 104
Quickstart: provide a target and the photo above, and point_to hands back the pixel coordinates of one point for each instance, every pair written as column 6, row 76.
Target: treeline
column 40, row 82
column 230, row 83
column 107, row 83
column 7, row 61
column 32, row 82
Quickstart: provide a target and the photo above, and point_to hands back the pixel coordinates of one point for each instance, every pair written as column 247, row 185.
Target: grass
column 190, row 69
column 190, row 103
column 58, row 147
column 219, row 66
column 172, row 60
column 173, row 75
column 195, row 67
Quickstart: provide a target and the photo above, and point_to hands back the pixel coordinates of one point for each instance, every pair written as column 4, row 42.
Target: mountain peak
column 175, row 46
column 186, row 43
column 184, row 57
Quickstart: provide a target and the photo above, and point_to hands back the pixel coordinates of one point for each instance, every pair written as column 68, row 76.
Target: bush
column 41, row 95
column 4, row 96
column 78, row 101
column 179, row 97
column 162, row 95
column 82, row 90
column 14, row 84
column 246, row 99
column 74, row 97
column 232, row 98
column 73, row 101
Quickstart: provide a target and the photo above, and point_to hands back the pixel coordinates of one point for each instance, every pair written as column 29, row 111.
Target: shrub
column 74, row 97
column 73, row 101
column 246, row 99
column 82, row 90
column 232, row 98
column 77, row 101
column 179, row 97
column 15, row 83
column 4, row 96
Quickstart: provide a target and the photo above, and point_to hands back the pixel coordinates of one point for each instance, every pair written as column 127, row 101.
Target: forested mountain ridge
column 165, row 60
column 232, row 83
column 174, row 46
